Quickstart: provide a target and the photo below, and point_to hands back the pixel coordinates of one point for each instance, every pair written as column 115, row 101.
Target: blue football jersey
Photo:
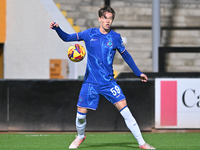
column 101, row 49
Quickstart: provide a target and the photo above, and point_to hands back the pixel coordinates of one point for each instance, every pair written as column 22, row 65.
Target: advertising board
column 177, row 103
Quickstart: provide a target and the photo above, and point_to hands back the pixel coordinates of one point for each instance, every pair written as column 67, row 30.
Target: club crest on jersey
column 80, row 100
column 110, row 43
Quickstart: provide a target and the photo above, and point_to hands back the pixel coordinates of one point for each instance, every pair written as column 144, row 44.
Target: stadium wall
column 3, row 21
column 30, row 44
column 50, row 105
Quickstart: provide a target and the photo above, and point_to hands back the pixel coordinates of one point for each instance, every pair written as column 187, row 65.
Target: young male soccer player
column 101, row 44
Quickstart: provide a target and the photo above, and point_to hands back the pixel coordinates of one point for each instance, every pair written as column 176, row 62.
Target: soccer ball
column 76, row 53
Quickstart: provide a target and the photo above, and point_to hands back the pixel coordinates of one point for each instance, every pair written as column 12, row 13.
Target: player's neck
column 104, row 31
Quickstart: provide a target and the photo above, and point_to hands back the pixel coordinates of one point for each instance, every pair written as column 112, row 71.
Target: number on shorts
column 115, row 90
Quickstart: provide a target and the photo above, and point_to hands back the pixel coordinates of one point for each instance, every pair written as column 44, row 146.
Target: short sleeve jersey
column 101, row 49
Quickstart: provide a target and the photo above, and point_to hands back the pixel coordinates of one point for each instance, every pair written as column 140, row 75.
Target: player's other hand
column 143, row 77
column 53, row 25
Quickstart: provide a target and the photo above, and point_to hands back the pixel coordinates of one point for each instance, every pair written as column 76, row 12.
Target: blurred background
column 29, row 50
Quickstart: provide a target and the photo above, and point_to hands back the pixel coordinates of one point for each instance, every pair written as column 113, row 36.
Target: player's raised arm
column 53, row 25
column 63, row 35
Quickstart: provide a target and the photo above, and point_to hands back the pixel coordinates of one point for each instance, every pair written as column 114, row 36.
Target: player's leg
column 88, row 99
column 132, row 124
column 81, row 122
column 80, row 127
column 130, row 121
column 115, row 95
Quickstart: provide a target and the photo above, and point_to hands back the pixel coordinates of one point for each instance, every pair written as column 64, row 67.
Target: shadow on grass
column 129, row 145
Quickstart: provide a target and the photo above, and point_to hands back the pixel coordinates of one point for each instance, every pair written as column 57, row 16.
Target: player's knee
column 81, row 121
column 81, row 118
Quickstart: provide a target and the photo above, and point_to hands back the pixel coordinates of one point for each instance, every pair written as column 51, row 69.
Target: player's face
column 106, row 21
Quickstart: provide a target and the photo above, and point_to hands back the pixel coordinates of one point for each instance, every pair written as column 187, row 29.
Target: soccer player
column 101, row 44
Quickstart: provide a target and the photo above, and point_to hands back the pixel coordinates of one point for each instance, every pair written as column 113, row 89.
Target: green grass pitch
column 98, row 141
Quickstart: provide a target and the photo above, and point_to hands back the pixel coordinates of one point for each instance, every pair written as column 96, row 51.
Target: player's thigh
column 113, row 93
column 82, row 109
column 88, row 96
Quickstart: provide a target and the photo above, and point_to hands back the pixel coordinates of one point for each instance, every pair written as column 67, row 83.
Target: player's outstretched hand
column 143, row 77
column 53, row 25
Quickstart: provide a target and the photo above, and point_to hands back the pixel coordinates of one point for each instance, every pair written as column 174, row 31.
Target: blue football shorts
column 90, row 93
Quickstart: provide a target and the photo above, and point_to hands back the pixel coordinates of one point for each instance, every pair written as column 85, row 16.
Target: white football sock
column 80, row 124
column 132, row 125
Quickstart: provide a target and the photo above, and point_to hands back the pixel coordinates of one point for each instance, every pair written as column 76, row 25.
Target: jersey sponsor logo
column 110, row 43
column 93, row 39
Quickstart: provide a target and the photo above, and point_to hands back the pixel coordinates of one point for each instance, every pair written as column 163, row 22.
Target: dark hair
column 106, row 9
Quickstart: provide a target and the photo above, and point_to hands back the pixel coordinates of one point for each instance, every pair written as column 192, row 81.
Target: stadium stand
column 179, row 28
